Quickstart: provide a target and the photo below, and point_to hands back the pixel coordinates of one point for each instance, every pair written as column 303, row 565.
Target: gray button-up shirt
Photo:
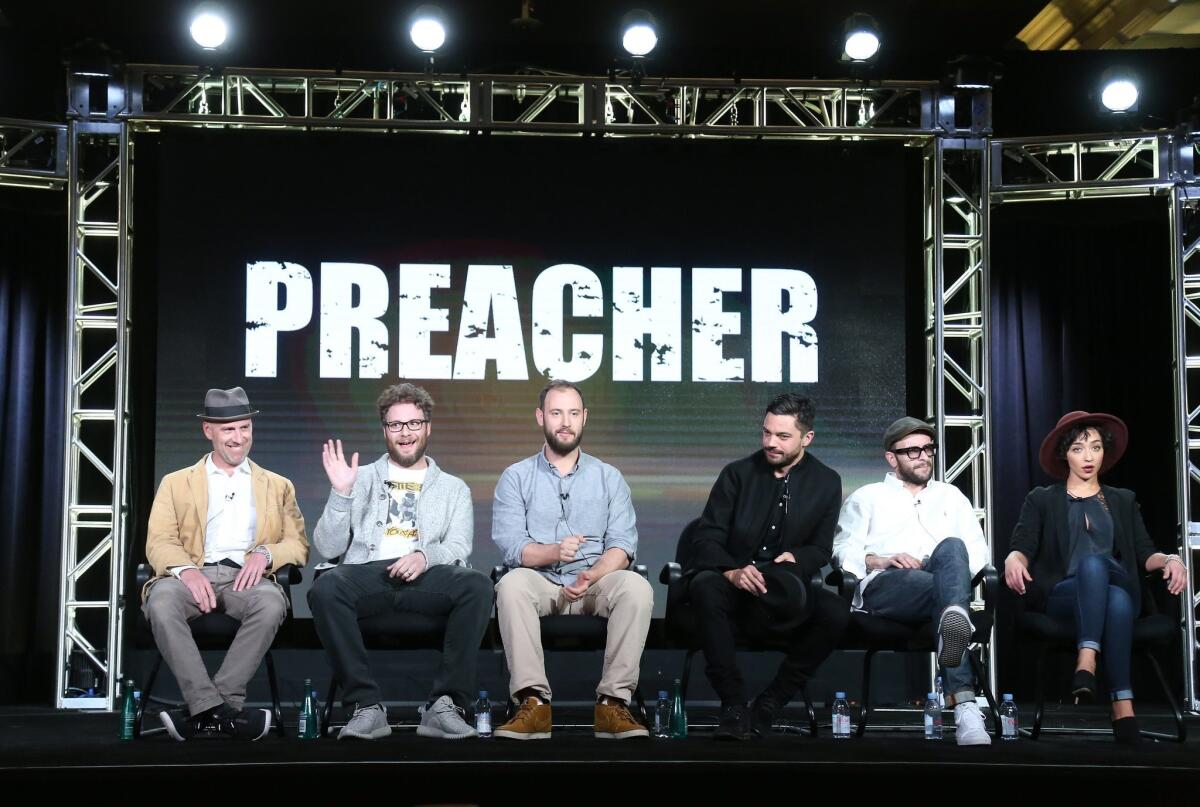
column 536, row 504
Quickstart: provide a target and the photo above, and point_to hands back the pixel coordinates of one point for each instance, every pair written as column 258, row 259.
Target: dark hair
column 404, row 393
column 559, row 385
column 1078, row 430
column 802, row 409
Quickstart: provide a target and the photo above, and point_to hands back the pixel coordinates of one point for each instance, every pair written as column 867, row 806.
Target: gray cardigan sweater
column 352, row 526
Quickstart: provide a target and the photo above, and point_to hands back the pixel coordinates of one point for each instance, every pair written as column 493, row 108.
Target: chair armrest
column 143, row 575
column 671, row 574
column 325, row 566
column 288, row 575
column 640, row 568
column 845, row 582
column 498, row 572
column 990, row 580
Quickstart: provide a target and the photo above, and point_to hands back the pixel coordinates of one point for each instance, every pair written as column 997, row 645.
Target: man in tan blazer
column 217, row 531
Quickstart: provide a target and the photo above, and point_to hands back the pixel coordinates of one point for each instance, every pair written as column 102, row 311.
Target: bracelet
column 1168, row 558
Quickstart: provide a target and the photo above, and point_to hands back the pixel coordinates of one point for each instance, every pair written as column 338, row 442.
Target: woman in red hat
column 1087, row 547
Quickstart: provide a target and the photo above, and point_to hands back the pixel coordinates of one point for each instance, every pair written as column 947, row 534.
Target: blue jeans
column 1099, row 601
column 919, row 595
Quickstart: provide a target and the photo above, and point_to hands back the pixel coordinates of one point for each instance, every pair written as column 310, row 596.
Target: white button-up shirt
column 232, row 517
column 885, row 518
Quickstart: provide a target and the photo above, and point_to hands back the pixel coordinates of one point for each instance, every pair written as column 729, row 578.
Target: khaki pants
column 261, row 610
column 523, row 596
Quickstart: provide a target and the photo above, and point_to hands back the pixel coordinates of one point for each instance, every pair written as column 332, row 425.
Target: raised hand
column 341, row 475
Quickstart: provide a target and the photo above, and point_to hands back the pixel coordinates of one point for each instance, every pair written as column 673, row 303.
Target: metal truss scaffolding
column 1159, row 163
column 956, row 318
column 94, row 535
column 105, row 116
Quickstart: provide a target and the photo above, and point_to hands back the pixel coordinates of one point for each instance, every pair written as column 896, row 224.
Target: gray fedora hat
column 226, row 406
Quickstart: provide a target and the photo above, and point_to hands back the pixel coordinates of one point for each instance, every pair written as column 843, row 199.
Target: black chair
column 573, row 632
column 875, row 634
column 213, row 631
column 683, row 634
column 1153, row 630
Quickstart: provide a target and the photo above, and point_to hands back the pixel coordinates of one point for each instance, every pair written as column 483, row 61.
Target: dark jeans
column 809, row 624
column 920, row 595
column 350, row 591
column 1099, row 601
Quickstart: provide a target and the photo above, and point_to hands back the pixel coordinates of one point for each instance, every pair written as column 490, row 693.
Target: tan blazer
column 180, row 512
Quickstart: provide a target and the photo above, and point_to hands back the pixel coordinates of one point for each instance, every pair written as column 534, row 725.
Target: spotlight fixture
column 210, row 26
column 861, row 38
column 973, row 72
column 427, row 28
column 1119, row 90
column 639, row 33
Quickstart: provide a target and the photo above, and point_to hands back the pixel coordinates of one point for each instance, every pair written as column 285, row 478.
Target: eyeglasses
column 915, row 452
column 400, row 425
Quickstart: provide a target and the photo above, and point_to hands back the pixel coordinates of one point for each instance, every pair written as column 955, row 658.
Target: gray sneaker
column 367, row 723
column 444, row 720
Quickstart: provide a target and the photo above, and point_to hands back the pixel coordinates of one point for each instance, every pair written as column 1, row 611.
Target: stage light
column 973, row 72
column 427, row 28
column 1119, row 90
column 209, row 26
column 862, row 38
column 639, row 33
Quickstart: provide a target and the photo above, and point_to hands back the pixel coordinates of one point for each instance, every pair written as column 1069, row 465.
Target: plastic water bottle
column 128, row 711
column 941, row 693
column 307, row 729
column 1008, row 719
column 679, row 723
column 483, row 715
column 662, row 716
column 933, row 718
column 841, row 717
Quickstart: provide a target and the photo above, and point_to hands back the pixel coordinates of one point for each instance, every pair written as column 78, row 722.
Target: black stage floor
column 43, row 745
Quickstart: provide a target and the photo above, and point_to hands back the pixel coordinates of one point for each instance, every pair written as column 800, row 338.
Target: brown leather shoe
column 614, row 722
column 531, row 722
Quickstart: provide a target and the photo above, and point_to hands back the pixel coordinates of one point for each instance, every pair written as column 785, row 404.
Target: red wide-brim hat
column 1057, row 468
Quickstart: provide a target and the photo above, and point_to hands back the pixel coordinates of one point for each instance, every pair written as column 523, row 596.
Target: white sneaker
column 968, row 725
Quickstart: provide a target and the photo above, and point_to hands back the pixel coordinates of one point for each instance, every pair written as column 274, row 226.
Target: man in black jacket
column 767, row 527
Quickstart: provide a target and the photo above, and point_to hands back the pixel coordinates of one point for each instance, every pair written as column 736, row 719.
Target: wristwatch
column 262, row 550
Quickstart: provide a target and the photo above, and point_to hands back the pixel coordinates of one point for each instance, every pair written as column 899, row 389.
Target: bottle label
column 841, row 725
column 1008, row 725
column 303, row 724
column 483, row 722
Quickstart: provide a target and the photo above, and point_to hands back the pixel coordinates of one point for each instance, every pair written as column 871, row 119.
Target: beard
column 563, row 445
column 783, row 460
column 407, row 460
column 914, row 475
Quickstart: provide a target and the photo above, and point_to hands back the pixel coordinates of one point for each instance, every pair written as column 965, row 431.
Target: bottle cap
column 483, row 694
column 1007, row 697
column 839, row 694
column 932, row 695
column 662, row 694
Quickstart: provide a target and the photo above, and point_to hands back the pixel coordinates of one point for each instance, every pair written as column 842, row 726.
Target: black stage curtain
column 1081, row 319
column 33, row 308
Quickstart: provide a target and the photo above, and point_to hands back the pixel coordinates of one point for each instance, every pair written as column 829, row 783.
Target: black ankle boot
column 1126, row 730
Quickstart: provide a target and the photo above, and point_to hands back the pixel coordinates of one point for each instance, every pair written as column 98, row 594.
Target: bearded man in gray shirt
column 565, row 524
